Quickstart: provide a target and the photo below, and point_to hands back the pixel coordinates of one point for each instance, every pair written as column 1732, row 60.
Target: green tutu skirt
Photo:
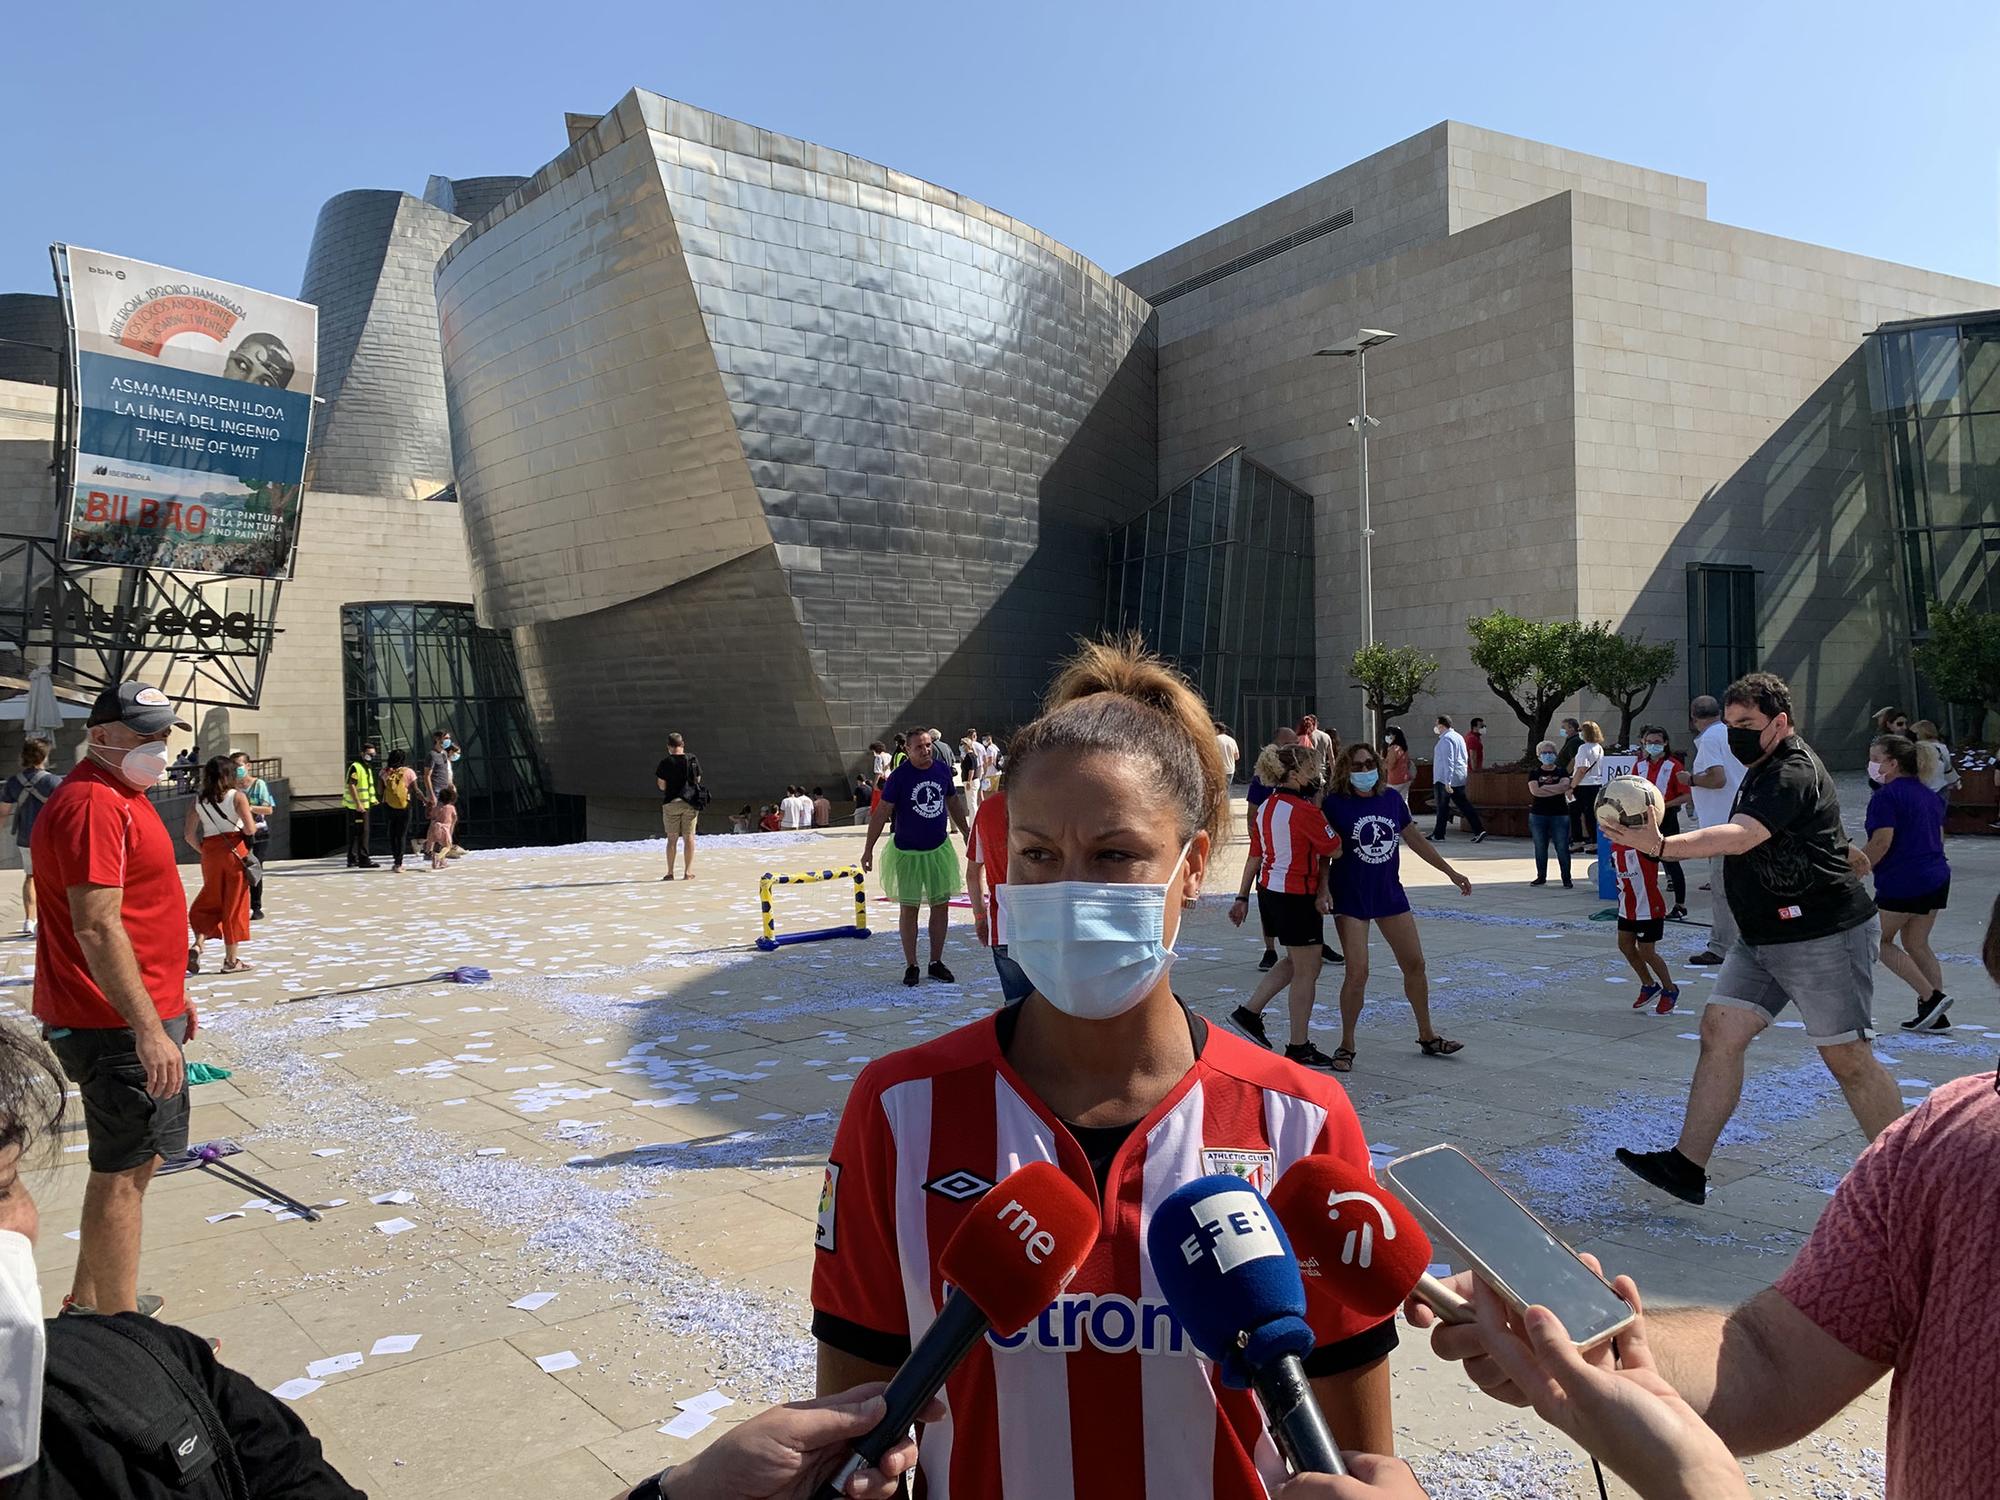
column 924, row 878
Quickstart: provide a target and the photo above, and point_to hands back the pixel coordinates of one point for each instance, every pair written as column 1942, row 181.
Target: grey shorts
column 125, row 1126
column 1830, row 979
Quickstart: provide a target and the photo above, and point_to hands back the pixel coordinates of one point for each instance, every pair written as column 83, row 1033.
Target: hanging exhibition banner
column 193, row 411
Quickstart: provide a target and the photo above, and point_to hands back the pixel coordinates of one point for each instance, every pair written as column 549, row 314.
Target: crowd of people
column 401, row 790
column 1081, row 869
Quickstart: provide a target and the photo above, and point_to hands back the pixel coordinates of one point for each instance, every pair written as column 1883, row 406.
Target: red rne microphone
column 1358, row 1246
column 1009, row 1258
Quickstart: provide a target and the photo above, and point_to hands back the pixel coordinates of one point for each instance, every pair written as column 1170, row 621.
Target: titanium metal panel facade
column 768, row 442
column 382, row 430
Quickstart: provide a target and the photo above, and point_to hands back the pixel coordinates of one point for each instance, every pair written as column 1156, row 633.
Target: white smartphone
column 1510, row 1249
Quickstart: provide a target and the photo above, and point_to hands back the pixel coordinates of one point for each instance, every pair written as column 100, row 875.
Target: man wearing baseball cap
column 111, row 977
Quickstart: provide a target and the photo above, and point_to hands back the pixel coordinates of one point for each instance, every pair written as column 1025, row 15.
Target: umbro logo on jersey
column 959, row 1186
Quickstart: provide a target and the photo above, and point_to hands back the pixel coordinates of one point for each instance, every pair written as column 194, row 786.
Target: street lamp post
column 1357, row 349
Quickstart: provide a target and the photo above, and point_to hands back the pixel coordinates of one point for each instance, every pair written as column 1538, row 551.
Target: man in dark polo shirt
column 111, row 978
column 1807, row 933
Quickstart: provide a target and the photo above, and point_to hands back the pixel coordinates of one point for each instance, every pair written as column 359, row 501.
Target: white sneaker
column 28, row 928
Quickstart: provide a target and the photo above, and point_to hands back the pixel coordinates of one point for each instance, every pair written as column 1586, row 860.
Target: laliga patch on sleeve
column 828, row 1201
column 1258, row 1168
column 1235, row 1228
column 1790, row 913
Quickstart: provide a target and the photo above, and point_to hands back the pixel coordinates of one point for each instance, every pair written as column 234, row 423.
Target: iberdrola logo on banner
column 194, row 409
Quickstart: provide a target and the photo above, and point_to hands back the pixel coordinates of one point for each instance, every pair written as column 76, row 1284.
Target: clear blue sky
column 206, row 136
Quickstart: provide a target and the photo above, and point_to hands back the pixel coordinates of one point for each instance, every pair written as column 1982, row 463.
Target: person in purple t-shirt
column 1912, row 878
column 1373, row 822
column 919, row 868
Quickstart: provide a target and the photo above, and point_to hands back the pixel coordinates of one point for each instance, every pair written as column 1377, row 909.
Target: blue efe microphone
column 1229, row 1274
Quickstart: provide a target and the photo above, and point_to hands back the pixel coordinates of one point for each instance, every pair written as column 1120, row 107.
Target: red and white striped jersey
column 988, row 849
column 1289, row 839
column 1102, row 1396
column 1639, row 895
column 1665, row 773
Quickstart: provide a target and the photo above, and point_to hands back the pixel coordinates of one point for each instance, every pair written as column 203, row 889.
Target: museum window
column 412, row 668
column 1934, row 387
column 1722, row 626
column 1217, row 577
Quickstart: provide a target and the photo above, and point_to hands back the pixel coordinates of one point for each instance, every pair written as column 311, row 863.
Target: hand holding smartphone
column 1509, row 1249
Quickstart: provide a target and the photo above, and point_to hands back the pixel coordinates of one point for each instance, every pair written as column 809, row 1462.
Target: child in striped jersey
column 1642, row 912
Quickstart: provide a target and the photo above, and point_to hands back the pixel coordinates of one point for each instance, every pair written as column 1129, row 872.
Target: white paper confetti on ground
column 687, row 1424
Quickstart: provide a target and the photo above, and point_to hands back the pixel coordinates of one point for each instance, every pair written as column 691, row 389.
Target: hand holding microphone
column 1009, row 1258
column 1229, row 1275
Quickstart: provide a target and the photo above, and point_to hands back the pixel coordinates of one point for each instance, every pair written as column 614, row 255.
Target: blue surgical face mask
column 1363, row 781
column 1093, row 951
column 1654, row 752
column 1548, row 757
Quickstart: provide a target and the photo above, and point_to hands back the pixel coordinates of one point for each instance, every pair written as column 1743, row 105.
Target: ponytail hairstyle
column 1278, row 764
column 1902, row 751
column 1114, row 695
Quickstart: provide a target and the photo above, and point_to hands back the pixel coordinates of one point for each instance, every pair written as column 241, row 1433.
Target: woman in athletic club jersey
column 1115, row 802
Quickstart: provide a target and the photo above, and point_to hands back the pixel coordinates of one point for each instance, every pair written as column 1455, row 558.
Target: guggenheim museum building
column 704, row 428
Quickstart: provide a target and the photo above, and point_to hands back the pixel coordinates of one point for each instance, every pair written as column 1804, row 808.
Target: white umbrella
column 43, row 716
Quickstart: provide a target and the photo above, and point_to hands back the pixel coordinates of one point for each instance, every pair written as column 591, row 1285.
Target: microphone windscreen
column 1020, row 1245
column 1356, row 1242
column 1227, row 1270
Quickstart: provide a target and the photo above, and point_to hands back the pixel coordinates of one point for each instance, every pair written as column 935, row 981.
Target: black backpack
column 121, row 1380
column 694, row 794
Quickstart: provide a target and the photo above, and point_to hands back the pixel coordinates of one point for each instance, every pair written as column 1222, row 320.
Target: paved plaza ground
column 633, row 1113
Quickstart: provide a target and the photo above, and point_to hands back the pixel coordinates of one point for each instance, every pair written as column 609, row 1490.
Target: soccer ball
column 1630, row 801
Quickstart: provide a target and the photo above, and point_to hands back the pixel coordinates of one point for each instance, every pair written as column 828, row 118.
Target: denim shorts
column 1830, row 979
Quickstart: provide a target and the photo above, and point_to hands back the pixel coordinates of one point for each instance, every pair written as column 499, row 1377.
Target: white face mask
column 142, row 765
column 1093, row 951
column 23, row 1350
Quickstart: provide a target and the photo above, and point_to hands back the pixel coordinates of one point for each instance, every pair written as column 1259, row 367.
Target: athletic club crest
column 1258, row 1168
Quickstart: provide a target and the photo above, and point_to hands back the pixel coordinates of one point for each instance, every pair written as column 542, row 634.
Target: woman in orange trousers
column 220, row 825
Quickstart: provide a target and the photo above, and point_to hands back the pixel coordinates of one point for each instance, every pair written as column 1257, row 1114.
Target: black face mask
column 1312, row 788
column 1747, row 745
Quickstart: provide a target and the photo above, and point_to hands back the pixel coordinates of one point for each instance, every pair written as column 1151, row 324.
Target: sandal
column 1343, row 1059
column 1439, row 1046
column 236, row 965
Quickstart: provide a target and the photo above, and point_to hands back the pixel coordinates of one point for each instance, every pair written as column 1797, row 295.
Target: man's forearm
column 108, row 952
column 1705, row 843
column 1725, row 1368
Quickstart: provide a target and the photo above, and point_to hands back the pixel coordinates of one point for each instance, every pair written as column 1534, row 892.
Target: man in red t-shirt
column 111, row 977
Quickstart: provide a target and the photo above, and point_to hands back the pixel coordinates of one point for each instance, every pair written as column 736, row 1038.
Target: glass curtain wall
column 415, row 668
column 1218, row 577
column 1935, row 390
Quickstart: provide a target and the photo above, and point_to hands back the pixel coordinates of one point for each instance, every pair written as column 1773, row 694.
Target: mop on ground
column 465, row 974
column 208, row 1157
